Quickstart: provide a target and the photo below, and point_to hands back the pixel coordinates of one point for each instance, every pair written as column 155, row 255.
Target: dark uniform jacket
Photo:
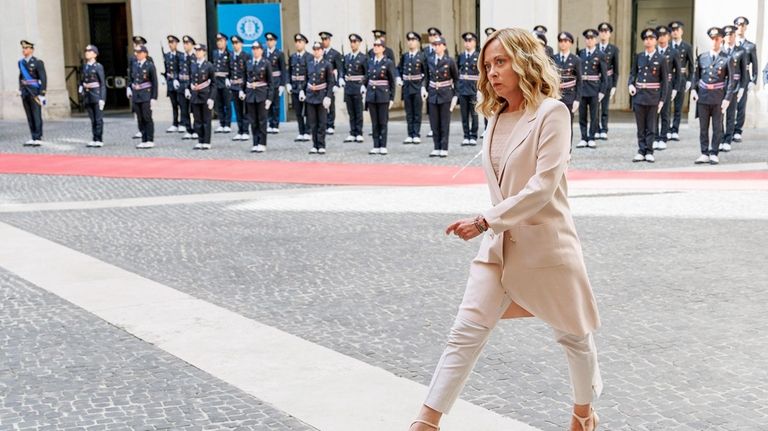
column 237, row 64
column 570, row 77
column 320, row 81
column 171, row 65
column 261, row 83
column 684, row 54
column 443, row 76
column 380, row 81
column 39, row 82
column 751, row 58
column 298, row 69
column 650, row 77
column 387, row 53
column 738, row 58
column 673, row 68
column 413, row 71
column 713, row 79
column 355, row 67
column 94, row 83
column 468, row 73
column 221, row 67
column 185, row 63
column 202, row 81
column 333, row 57
column 611, row 58
column 143, row 81
column 594, row 73
column 277, row 61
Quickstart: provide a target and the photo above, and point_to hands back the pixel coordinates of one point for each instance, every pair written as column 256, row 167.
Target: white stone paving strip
column 319, row 386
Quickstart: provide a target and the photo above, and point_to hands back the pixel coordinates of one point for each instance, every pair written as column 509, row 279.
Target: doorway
column 108, row 29
column 653, row 13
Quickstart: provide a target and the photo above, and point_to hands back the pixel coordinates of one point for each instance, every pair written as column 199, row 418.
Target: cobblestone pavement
column 70, row 136
column 61, row 368
column 682, row 346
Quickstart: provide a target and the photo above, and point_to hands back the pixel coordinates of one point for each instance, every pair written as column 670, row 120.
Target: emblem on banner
column 249, row 27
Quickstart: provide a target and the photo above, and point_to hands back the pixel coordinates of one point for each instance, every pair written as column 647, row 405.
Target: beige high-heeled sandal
column 419, row 421
column 583, row 421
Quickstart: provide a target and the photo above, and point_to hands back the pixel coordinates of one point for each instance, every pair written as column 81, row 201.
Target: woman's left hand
column 464, row 229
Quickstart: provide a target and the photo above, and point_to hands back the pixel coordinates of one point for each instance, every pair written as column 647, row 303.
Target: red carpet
column 269, row 171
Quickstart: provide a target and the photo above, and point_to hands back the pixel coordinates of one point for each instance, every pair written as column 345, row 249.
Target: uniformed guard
column 684, row 53
column 259, row 95
column 648, row 85
column 355, row 68
column 673, row 80
column 143, row 84
column 467, row 87
column 713, row 88
column 750, row 56
column 221, row 95
column 540, row 29
column 186, row 58
column 237, row 64
column 738, row 59
column 279, row 78
column 317, row 96
column 171, row 74
column 200, row 95
column 379, row 84
column 333, row 57
column 382, row 35
column 441, row 96
column 298, row 80
column 594, row 76
column 611, row 57
column 93, row 88
column 569, row 67
column 433, row 34
column 32, row 87
column 138, row 41
column 412, row 72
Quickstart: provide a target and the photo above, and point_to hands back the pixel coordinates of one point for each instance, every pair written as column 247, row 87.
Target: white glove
column 661, row 105
column 43, row 100
column 80, row 89
column 600, row 97
column 288, row 87
column 101, row 105
column 152, row 103
column 176, row 84
column 575, row 106
column 336, row 89
column 210, row 104
column 302, row 96
column 724, row 105
column 227, row 82
column 613, row 92
column 128, row 92
column 739, row 95
column 241, row 95
column 281, row 90
column 454, row 101
column 632, row 90
column 363, row 90
column 424, row 93
column 342, row 82
column 399, row 81
column 267, row 104
column 187, row 93
column 18, row 93
column 674, row 93
column 478, row 97
column 326, row 102
column 391, row 104
column 694, row 95
column 687, row 85
column 750, row 86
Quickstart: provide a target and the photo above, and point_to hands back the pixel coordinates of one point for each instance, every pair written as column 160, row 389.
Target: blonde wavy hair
column 538, row 76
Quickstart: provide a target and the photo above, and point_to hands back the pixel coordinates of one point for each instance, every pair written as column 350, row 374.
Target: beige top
column 505, row 124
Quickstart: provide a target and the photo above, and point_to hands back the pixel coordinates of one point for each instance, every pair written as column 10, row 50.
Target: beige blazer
column 532, row 234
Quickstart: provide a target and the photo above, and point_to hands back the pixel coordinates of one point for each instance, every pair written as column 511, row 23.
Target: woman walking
column 530, row 261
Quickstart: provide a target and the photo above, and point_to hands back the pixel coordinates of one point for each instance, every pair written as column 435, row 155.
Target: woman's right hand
column 464, row 229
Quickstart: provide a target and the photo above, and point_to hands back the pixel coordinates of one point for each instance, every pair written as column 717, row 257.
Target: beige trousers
column 485, row 301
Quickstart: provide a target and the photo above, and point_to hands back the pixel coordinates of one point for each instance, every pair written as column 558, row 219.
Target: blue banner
column 250, row 22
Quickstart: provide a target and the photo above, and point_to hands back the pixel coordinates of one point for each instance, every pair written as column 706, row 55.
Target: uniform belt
column 378, row 82
column 418, row 77
column 355, row 77
column 590, row 77
column 221, row 74
column 610, row 72
column 736, row 76
column 171, row 75
column 715, row 86
column 683, row 69
column 648, row 85
column 202, row 85
column 441, row 84
column 236, row 81
column 317, row 87
column 30, row 81
column 257, row 84
column 91, row 84
column 142, row 86
column 276, row 73
column 567, row 84
column 183, row 77
column 298, row 77
column 469, row 77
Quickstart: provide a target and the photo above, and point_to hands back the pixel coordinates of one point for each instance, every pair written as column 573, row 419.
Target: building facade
column 61, row 28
